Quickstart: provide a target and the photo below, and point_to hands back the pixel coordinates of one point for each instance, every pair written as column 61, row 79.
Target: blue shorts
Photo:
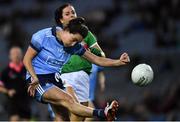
column 46, row 81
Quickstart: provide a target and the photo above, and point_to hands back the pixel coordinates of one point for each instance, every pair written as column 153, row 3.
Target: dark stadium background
column 148, row 30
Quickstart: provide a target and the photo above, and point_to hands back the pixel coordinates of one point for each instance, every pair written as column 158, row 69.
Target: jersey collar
column 53, row 30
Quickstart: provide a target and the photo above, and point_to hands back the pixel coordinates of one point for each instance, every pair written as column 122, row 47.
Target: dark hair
column 78, row 21
column 77, row 25
column 58, row 13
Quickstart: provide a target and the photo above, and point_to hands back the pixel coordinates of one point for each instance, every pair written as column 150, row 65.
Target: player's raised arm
column 123, row 60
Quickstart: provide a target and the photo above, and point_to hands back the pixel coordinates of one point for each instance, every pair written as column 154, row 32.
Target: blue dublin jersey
column 52, row 54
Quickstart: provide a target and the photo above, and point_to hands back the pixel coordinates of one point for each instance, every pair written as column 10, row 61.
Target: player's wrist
column 34, row 81
column 118, row 63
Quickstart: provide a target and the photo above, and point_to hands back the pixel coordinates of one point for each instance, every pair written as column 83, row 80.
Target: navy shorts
column 46, row 81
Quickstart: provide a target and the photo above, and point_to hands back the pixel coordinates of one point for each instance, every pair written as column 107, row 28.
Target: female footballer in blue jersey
column 49, row 50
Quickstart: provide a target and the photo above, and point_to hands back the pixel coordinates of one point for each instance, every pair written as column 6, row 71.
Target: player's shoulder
column 42, row 32
column 45, row 32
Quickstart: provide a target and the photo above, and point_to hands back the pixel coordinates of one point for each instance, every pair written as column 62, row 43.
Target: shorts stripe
column 40, row 90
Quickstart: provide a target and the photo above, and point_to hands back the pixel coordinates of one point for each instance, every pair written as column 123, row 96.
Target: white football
column 142, row 74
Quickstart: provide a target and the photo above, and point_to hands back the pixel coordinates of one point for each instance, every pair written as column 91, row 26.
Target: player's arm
column 92, row 43
column 30, row 54
column 96, row 46
column 34, row 48
column 101, row 61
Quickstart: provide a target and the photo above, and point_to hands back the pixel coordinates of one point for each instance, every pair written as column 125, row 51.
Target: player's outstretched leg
column 58, row 97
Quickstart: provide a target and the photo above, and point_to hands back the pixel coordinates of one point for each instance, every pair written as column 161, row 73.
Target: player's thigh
column 57, row 96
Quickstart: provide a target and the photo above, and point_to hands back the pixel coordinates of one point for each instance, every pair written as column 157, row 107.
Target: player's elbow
column 25, row 61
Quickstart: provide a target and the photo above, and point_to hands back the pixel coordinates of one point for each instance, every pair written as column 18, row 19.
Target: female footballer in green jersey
column 75, row 73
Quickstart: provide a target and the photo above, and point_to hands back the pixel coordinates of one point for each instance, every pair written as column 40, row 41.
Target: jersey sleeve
column 36, row 42
column 96, row 51
column 90, row 39
column 77, row 49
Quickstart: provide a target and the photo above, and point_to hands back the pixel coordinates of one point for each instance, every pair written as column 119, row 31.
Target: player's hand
column 32, row 86
column 124, row 58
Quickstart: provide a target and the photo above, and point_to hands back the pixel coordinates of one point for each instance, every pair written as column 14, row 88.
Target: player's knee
column 70, row 99
column 65, row 100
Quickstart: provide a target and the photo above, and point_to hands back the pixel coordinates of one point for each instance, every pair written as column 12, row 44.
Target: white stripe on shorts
column 40, row 89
